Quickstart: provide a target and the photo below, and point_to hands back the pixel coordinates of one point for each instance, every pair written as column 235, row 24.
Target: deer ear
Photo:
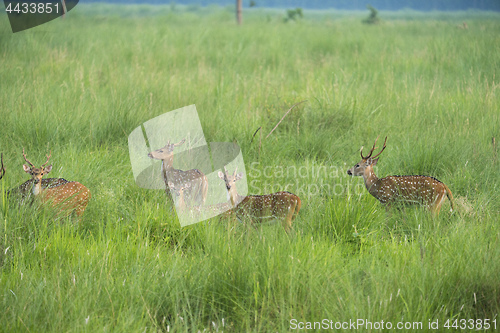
column 221, row 175
column 170, row 184
column 238, row 176
column 47, row 169
column 374, row 161
column 26, row 168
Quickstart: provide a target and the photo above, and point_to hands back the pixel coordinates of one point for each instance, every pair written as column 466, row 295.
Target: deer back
column 196, row 193
column 422, row 190
column 283, row 206
column 69, row 196
column 275, row 205
column 24, row 191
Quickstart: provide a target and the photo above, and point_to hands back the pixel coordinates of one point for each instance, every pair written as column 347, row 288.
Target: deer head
column 179, row 191
column 366, row 161
column 167, row 152
column 230, row 181
column 37, row 173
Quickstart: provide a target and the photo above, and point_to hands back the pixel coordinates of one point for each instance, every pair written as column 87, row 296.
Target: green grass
column 79, row 86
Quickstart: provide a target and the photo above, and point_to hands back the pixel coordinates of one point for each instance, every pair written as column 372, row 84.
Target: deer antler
column 48, row 157
column 380, row 152
column 26, row 159
column 179, row 143
column 371, row 151
column 373, row 148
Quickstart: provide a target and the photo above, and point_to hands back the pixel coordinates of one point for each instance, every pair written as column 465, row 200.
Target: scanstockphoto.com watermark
column 311, row 189
column 483, row 324
column 358, row 324
column 307, row 180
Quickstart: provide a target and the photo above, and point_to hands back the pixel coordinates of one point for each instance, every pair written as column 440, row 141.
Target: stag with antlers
column 64, row 195
column 421, row 190
column 283, row 206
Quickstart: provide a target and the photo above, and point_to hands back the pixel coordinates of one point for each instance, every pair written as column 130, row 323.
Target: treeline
column 422, row 5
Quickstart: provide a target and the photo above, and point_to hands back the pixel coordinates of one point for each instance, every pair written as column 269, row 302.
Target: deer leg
column 434, row 210
column 204, row 190
column 289, row 217
column 435, row 206
column 250, row 222
column 288, row 224
column 195, row 194
column 388, row 209
column 170, row 200
column 296, row 210
column 254, row 225
column 229, row 218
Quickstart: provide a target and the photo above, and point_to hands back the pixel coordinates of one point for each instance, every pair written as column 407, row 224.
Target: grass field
column 79, row 86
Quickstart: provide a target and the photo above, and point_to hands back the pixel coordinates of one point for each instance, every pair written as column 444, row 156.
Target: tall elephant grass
column 79, row 86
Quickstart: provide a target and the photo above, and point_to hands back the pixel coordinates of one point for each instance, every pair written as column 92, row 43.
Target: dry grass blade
column 253, row 136
column 290, row 109
column 494, row 143
column 2, row 168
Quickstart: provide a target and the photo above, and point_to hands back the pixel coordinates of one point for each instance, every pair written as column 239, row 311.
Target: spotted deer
column 64, row 195
column 420, row 190
column 283, row 206
column 23, row 191
column 196, row 194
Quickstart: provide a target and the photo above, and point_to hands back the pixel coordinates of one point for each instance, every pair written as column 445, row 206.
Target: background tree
column 372, row 18
column 239, row 4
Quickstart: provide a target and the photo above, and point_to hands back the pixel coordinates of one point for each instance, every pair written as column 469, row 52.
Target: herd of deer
column 191, row 188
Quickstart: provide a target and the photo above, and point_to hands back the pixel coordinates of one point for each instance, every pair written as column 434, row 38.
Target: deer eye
column 357, row 166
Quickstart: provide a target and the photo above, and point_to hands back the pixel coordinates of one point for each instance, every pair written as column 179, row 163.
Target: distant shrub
column 293, row 14
column 195, row 7
column 373, row 17
column 252, row 3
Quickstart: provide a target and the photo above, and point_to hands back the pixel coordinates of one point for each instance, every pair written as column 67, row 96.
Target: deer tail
column 450, row 196
column 297, row 207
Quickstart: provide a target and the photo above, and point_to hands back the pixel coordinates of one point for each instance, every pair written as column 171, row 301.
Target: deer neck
column 37, row 187
column 166, row 167
column 371, row 180
column 234, row 197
